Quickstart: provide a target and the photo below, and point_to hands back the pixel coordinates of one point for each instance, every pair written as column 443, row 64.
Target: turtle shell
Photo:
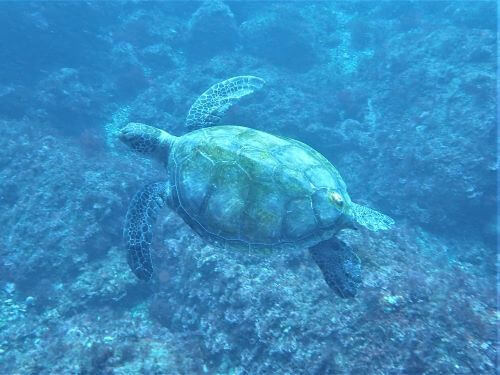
column 244, row 187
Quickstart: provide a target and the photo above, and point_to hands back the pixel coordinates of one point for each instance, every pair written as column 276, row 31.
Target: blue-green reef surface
column 399, row 96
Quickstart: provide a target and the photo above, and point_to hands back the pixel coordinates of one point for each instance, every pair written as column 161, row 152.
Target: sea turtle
column 243, row 188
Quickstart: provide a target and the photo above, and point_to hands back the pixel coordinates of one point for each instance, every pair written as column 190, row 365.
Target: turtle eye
column 337, row 199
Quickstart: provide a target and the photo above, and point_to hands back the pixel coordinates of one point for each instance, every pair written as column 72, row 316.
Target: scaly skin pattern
column 209, row 108
column 147, row 140
column 138, row 231
column 241, row 187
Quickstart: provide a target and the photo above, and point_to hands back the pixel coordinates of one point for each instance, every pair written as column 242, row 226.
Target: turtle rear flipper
column 369, row 218
column 341, row 268
column 209, row 108
column 138, row 232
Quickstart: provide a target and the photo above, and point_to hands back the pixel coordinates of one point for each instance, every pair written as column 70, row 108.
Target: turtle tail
column 138, row 231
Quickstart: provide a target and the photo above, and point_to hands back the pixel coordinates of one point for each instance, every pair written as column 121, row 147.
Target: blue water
column 401, row 97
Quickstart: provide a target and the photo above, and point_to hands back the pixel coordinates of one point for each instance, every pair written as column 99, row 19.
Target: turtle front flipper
column 138, row 231
column 209, row 108
column 340, row 266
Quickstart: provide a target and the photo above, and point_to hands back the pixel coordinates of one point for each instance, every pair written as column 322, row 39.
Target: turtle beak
column 126, row 134
column 130, row 134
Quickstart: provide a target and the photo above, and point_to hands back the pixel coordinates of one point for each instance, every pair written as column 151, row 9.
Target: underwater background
column 399, row 95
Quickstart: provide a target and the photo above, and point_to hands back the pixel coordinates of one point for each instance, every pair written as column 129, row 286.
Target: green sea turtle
column 243, row 188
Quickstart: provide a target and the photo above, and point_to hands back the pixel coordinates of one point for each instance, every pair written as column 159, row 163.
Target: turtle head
column 147, row 140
